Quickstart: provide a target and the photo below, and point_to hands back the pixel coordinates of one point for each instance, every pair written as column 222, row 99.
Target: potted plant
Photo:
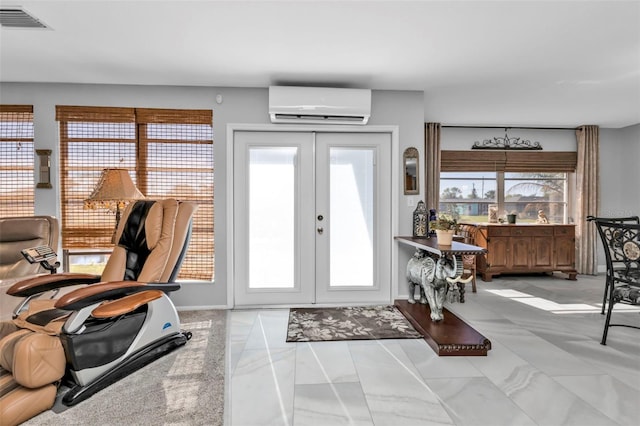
column 445, row 226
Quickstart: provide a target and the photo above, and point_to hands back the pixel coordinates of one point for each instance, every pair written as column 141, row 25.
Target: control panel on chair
column 44, row 255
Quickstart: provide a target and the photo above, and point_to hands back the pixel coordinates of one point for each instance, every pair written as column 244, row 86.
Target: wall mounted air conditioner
column 291, row 104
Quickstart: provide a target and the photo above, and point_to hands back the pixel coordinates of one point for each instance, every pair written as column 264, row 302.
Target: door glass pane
column 351, row 203
column 272, row 185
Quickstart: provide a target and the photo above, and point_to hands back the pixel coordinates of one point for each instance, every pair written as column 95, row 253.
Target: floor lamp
column 114, row 189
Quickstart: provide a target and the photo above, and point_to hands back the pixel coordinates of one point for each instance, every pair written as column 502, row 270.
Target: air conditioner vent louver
column 347, row 118
column 18, row 18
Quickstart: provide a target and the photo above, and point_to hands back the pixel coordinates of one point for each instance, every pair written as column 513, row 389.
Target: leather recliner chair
column 101, row 332
column 19, row 233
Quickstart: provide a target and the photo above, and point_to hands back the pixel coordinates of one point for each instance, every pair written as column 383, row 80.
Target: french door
column 312, row 217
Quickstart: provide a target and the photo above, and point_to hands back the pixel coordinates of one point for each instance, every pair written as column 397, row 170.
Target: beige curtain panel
column 432, row 165
column 588, row 197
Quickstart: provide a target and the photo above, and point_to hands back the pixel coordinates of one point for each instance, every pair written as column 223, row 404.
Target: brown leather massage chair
column 96, row 334
column 19, row 233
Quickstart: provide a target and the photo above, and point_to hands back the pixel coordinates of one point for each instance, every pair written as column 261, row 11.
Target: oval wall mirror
column 411, row 171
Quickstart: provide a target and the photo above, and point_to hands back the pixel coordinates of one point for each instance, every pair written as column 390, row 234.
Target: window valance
column 508, row 161
column 17, row 109
column 132, row 115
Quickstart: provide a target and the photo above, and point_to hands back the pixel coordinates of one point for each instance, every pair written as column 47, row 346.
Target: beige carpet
column 185, row 387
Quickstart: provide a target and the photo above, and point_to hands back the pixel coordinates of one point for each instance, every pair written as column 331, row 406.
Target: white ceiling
column 529, row 63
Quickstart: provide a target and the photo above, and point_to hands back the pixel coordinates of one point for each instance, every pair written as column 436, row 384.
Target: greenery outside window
column 528, row 193
column 467, row 195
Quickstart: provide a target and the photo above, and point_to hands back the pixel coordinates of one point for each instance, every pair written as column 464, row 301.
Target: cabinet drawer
column 564, row 231
column 498, row 231
column 532, row 231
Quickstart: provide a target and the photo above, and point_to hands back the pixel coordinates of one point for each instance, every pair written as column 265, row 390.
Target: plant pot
column 445, row 237
column 511, row 218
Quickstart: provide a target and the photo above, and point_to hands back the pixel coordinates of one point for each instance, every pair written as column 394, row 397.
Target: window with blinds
column 169, row 153
column 521, row 183
column 16, row 161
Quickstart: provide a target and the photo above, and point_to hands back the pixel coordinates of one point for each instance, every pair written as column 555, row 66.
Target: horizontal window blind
column 558, row 161
column 509, row 161
column 466, row 161
column 169, row 153
column 95, row 114
column 176, row 160
column 16, row 161
column 86, row 148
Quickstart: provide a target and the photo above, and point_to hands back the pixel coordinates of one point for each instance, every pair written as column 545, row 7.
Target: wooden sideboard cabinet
column 525, row 248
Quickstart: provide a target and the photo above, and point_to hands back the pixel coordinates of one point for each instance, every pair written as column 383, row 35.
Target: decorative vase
column 445, row 237
column 511, row 218
column 493, row 213
column 432, row 217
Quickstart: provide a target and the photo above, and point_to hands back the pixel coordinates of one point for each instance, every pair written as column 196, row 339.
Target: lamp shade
column 114, row 187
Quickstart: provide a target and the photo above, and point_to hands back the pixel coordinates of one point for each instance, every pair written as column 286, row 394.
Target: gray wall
column 620, row 171
column 619, row 176
column 404, row 109
column 462, row 139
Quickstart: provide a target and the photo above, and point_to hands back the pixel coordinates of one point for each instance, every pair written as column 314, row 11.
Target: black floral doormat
column 348, row 323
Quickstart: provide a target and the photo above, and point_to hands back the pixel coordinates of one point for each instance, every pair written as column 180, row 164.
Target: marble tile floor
column 546, row 366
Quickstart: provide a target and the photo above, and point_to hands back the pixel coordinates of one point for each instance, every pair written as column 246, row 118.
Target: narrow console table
column 431, row 245
column 455, row 250
column 449, row 336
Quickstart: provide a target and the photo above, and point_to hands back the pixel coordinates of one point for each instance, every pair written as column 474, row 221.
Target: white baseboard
column 200, row 308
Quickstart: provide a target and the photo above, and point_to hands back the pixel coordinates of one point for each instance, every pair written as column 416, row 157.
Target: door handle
column 320, row 230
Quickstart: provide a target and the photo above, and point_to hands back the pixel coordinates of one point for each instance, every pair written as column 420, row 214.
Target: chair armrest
column 126, row 304
column 82, row 297
column 79, row 298
column 42, row 283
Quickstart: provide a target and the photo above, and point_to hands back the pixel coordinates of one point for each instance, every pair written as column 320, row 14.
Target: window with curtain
column 520, row 183
column 169, row 153
column 16, row 161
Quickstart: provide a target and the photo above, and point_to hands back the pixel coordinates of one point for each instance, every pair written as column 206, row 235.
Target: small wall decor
column 420, row 220
column 507, row 143
column 44, row 169
column 411, row 166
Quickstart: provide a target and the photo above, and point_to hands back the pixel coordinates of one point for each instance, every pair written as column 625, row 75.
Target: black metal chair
column 614, row 262
column 621, row 242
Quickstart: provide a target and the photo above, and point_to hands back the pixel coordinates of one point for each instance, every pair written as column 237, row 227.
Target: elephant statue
column 414, row 276
column 435, row 278
column 435, row 284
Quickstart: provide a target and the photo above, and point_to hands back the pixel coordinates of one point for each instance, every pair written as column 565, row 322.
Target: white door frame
column 395, row 167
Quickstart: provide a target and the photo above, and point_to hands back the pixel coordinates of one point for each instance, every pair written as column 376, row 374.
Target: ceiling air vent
column 18, row 18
